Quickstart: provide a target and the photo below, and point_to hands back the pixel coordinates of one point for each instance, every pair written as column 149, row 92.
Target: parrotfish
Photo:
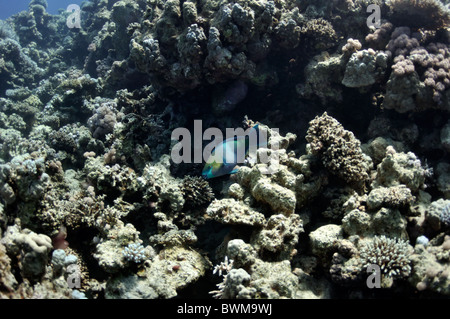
column 234, row 152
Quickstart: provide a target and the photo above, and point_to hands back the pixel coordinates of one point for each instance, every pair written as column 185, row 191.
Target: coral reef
column 429, row 14
column 354, row 175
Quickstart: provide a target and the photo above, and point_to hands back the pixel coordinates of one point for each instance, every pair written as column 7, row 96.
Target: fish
column 231, row 149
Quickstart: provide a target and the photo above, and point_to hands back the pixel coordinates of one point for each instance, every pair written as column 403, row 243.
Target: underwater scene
column 225, row 149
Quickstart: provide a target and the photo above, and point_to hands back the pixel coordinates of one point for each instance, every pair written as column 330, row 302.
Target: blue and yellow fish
column 232, row 148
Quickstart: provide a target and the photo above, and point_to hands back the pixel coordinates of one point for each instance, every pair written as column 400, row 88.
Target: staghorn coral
column 135, row 252
column 392, row 255
column 230, row 280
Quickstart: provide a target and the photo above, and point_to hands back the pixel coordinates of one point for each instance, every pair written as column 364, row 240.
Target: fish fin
column 235, row 170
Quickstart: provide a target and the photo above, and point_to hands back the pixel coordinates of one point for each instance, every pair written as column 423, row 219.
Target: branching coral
column 402, row 66
column 135, row 252
column 413, row 64
column 390, row 254
column 435, row 59
column 402, row 42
